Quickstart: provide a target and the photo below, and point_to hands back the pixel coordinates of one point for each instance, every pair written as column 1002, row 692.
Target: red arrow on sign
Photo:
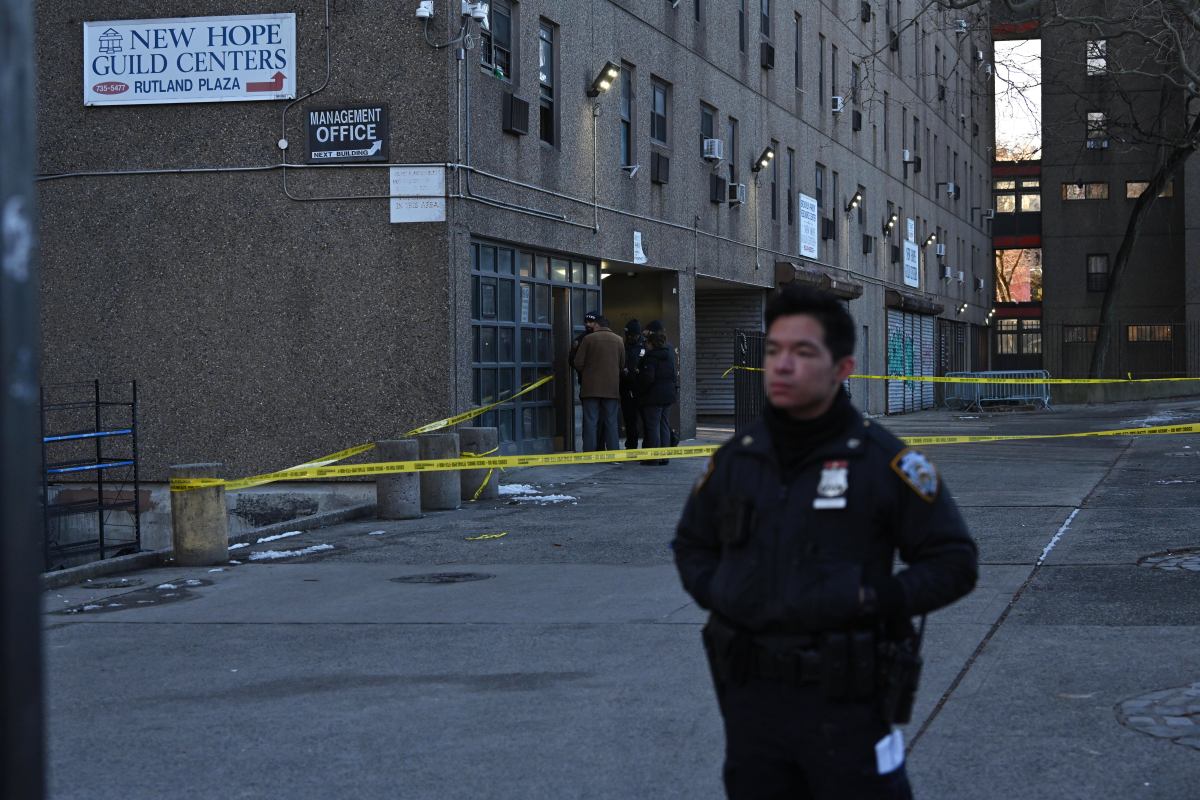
column 273, row 85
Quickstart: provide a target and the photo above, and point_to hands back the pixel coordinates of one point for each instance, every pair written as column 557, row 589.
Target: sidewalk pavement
column 414, row 659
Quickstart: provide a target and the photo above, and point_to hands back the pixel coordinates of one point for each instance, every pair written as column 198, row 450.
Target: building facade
column 275, row 306
column 1107, row 126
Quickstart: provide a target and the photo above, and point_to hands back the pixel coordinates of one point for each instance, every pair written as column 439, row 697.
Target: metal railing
column 975, row 396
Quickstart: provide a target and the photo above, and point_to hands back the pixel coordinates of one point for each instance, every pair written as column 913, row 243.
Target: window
column 742, row 25
column 855, row 83
column 1097, row 272
column 733, row 150
column 627, row 109
column 547, row 122
column 774, row 181
column 697, row 9
column 765, row 20
column 1006, row 336
column 1097, row 126
column 1148, row 333
column 1097, row 56
column 658, row 111
column 495, row 43
column 1085, row 191
column 833, row 69
column 1135, row 189
column 1031, row 195
column 708, row 117
column 886, row 103
column 821, row 71
column 798, row 55
column 1031, row 336
column 1080, row 334
column 819, row 187
column 791, row 187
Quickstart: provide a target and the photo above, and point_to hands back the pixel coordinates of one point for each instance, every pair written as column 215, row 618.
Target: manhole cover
column 1169, row 714
column 1186, row 559
column 444, row 577
column 122, row 583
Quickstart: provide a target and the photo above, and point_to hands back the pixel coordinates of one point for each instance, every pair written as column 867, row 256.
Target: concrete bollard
column 479, row 441
column 440, row 491
column 199, row 520
column 398, row 495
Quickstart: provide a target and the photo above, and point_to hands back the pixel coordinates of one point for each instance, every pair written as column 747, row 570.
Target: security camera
column 477, row 11
column 425, row 9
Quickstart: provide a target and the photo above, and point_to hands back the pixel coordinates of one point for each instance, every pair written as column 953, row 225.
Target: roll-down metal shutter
column 910, row 351
column 718, row 314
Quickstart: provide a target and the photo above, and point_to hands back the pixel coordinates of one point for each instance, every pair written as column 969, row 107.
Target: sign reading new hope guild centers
column 189, row 60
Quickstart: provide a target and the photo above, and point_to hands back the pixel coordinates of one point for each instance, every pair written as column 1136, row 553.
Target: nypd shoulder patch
column 918, row 473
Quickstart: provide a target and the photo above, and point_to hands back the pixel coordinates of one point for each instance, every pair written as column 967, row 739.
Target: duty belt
column 796, row 666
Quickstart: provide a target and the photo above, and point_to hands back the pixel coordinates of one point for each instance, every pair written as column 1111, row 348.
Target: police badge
column 833, row 485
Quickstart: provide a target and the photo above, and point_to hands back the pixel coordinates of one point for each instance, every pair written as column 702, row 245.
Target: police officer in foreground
column 789, row 541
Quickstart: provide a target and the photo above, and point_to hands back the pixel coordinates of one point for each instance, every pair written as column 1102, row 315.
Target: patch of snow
column 277, row 536
column 238, row 545
column 376, row 533
column 166, row 586
column 218, row 569
column 235, row 562
column 192, row 582
column 543, row 499
column 267, row 555
column 91, row 607
column 1176, row 480
column 517, row 489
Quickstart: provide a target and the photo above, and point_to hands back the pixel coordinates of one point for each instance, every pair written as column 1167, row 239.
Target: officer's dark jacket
column 656, row 377
column 753, row 548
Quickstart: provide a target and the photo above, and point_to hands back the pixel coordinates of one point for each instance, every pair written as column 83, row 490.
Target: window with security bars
column 495, row 41
column 1097, row 272
column 1097, row 125
column 1148, row 333
column 1097, row 56
column 1095, row 190
column 1080, row 334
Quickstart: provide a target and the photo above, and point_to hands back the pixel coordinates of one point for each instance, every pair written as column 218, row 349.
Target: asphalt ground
column 569, row 665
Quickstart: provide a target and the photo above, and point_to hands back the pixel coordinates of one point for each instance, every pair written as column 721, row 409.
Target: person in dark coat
column 635, row 348
column 789, row 540
column 656, row 389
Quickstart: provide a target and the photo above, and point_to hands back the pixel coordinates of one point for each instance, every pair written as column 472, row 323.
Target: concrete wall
column 265, row 326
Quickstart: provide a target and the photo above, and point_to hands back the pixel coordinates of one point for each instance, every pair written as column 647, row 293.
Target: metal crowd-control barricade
column 976, row 395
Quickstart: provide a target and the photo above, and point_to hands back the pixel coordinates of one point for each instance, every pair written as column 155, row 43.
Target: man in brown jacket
column 600, row 359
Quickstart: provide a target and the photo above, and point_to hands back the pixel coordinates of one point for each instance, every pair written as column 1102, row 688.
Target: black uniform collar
column 842, row 434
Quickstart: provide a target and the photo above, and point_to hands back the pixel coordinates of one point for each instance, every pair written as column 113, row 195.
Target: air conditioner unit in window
column 837, row 104
column 987, row 68
column 714, row 149
column 961, row 276
column 766, row 55
column 945, row 272
column 907, row 156
column 961, row 26
column 1097, row 144
column 979, row 56
column 952, row 189
column 514, row 114
column 939, row 249
column 718, row 189
column 737, row 194
column 660, row 168
column 989, row 213
column 979, row 284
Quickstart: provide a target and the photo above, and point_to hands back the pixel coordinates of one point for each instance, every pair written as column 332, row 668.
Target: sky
column 1019, row 95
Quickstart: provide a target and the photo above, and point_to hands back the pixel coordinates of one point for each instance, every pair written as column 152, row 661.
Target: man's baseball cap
column 591, row 316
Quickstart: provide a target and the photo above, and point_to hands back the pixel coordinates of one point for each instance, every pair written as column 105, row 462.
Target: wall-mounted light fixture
column 890, row 223
column 764, row 160
column 604, row 80
column 962, row 308
column 855, row 202
column 930, row 239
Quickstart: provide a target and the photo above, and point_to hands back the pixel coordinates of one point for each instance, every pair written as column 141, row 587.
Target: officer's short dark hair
column 824, row 307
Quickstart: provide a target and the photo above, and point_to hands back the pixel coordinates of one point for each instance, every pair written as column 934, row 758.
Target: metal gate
column 910, row 352
column 748, row 395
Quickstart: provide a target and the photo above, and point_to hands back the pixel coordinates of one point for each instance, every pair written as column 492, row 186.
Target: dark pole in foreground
column 21, row 726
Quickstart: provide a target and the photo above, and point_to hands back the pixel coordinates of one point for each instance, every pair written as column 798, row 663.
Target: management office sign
column 189, row 60
column 342, row 135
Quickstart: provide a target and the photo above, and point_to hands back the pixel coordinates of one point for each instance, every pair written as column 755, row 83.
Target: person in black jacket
column 789, row 541
column 635, row 348
column 656, row 390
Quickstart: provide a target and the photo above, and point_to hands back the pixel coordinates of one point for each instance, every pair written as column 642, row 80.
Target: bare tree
column 1152, row 53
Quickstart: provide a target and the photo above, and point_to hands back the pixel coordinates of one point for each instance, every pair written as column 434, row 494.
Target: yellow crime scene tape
column 614, row 456
column 944, row 379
